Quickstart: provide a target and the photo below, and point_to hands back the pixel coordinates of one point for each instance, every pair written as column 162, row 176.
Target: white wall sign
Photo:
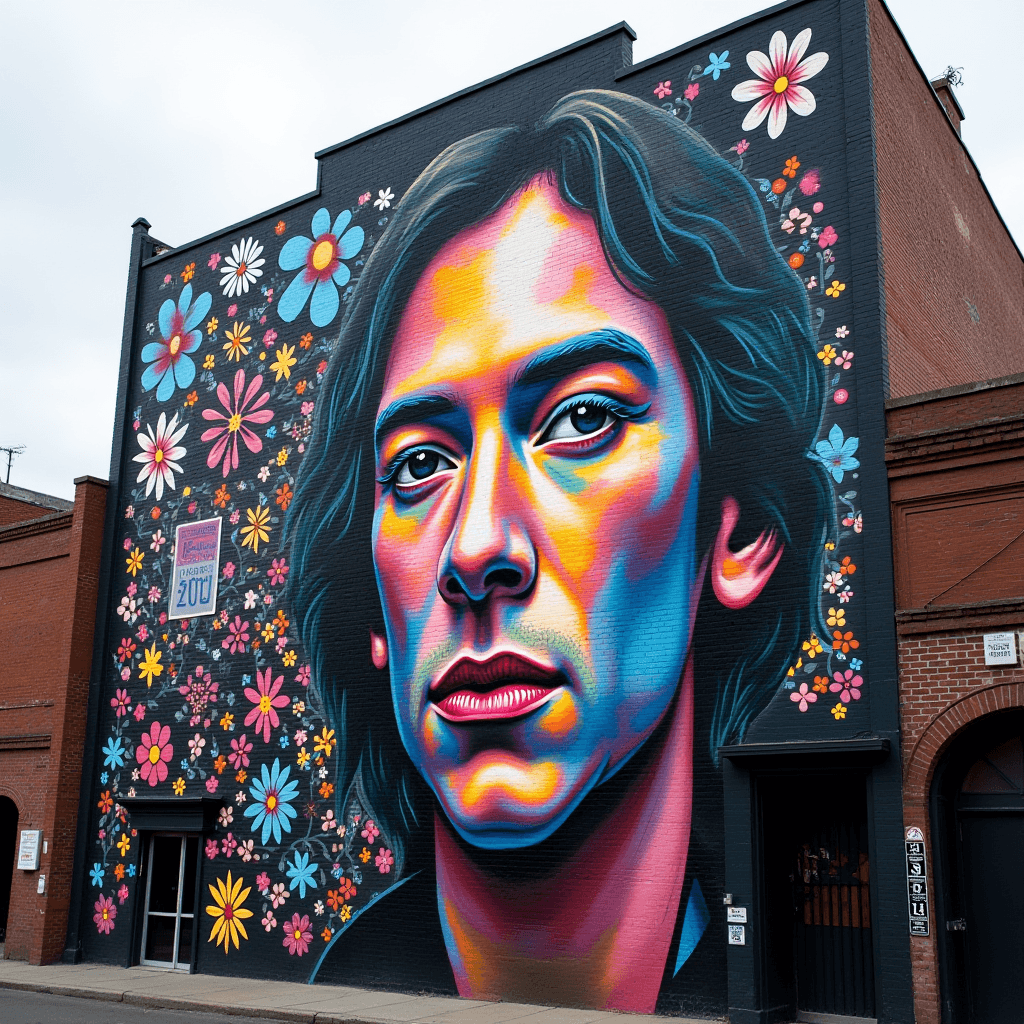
column 1000, row 648
column 737, row 935
column 195, row 569
column 28, row 849
column 736, row 914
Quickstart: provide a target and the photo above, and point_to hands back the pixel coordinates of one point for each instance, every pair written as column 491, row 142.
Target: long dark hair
column 680, row 226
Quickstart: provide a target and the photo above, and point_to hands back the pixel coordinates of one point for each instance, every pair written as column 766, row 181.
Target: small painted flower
column 114, row 750
column 134, row 561
column 242, row 267
column 238, row 411
column 809, row 184
column 839, row 711
column 104, row 915
column 384, row 860
column 124, row 844
column 298, row 935
column 842, row 332
column 833, row 581
column 778, row 87
column 847, row 567
column 258, row 528
column 239, row 756
column 269, row 921
column 663, row 89
column 121, row 701
column 159, row 455
column 844, row 642
column 228, row 912
column 238, row 342
column 178, row 786
column 847, row 684
column 370, row 831
column 228, row 844
column 827, row 354
column 692, row 91
column 717, row 64
column 154, row 751
column 278, row 894
column 302, row 873
column 170, row 365
column 791, row 167
column 237, row 636
column 836, row 453
column 96, row 874
column 803, row 698
column 271, row 808
column 150, row 665
column 384, row 197
column 836, row 617
column 833, row 290
column 213, row 261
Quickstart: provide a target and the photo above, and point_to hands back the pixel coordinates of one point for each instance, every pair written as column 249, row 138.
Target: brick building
column 502, row 691
column 956, row 469
column 49, row 570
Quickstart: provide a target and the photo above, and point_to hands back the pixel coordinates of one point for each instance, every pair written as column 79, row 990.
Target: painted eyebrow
column 574, row 354
column 410, row 410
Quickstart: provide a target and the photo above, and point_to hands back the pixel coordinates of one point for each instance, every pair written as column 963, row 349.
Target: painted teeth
column 466, row 701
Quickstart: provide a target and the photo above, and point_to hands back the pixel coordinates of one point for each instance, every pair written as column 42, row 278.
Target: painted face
column 533, row 535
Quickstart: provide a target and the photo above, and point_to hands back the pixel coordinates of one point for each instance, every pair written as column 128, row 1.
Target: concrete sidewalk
column 282, row 1000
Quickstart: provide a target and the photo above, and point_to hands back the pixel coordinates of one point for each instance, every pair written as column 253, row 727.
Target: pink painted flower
column 159, row 455
column 105, row 914
column 245, row 848
column 262, row 881
column 213, row 261
column 228, row 845
column 238, row 635
column 154, row 751
column 847, row 685
column 212, row 849
column 277, row 571
column 232, row 309
column 229, row 570
column 303, row 677
column 307, row 408
column 298, row 935
column 663, row 89
column 778, row 87
column 140, row 711
column 691, row 91
column 211, row 784
column 370, row 831
column 845, row 361
column 384, row 860
column 270, row 337
column 195, row 745
column 122, row 894
column 267, row 698
column 153, row 595
column 143, row 632
column 121, row 702
column 364, row 198
column 742, row 146
column 810, row 183
column 803, row 697
column 278, row 894
column 269, row 921
column 200, row 691
column 239, row 756
column 827, row 237
column 240, row 409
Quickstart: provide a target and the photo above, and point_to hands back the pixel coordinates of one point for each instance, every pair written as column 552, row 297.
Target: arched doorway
column 8, row 849
column 980, row 819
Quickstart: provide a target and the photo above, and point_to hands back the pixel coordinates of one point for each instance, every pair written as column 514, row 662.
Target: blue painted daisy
column 323, row 271
column 301, row 873
column 271, row 807
column 170, row 365
column 836, row 454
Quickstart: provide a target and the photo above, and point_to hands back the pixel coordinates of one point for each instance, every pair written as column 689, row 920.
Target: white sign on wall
column 28, row 849
column 1000, row 648
column 193, row 589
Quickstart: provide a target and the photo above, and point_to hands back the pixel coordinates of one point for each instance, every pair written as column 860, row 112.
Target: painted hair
column 680, row 226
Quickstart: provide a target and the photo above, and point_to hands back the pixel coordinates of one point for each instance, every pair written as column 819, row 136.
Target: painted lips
column 503, row 686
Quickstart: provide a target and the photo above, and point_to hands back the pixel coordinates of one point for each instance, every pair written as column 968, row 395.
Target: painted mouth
column 506, row 685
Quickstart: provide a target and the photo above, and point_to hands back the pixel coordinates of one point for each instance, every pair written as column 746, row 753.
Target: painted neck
column 591, row 927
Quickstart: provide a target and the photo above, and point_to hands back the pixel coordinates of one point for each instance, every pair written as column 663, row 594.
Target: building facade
column 498, row 581
column 49, row 571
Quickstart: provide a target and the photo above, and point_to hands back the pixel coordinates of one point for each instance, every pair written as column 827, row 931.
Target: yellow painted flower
column 289, row 659
column 268, row 632
column 134, row 561
column 834, row 289
column 187, row 491
column 211, row 325
column 813, row 646
column 257, row 530
column 365, row 855
column 227, row 720
column 209, row 362
column 150, row 665
column 827, row 354
column 839, row 711
column 836, row 617
column 228, row 912
column 324, row 743
column 346, row 912
column 302, row 759
column 178, row 786
column 282, row 456
column 284, row 362
column 188, row 273
column 124, row 844
column 238, row 342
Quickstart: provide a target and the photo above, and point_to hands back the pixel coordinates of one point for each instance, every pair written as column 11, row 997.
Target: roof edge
column 954, row 390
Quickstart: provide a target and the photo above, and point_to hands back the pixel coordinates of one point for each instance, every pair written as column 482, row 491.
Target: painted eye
column 582, row 420
column 421, row 465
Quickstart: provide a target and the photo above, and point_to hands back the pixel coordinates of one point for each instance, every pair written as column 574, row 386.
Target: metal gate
column 832, row 929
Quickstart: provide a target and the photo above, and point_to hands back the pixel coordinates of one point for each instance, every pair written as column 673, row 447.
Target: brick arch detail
column 940, row 732
column 13, row 797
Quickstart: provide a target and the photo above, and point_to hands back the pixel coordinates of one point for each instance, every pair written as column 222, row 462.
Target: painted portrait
column 556, row 539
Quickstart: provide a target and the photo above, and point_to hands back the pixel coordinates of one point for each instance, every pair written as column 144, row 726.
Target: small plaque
column 917, row 884
column 737, row 914
column 737, row 935
column 193, row 589
column 914, row 834
column 1000, row 648
column 28, row 850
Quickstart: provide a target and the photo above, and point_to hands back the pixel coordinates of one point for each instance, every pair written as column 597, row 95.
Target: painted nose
column 489, row 553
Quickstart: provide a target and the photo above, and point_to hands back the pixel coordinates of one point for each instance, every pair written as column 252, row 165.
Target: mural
column 536, row 472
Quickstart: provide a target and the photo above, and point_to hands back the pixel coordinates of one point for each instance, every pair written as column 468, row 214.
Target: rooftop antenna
column 955, row 76
column 11, row 452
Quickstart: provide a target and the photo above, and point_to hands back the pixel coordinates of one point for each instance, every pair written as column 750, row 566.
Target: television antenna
column 11, row 451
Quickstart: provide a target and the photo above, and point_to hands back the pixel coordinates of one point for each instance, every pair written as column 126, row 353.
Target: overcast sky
column 197, row 115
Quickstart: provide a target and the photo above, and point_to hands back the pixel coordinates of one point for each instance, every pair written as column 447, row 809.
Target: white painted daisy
column 242, row 267
column 384, row 197
column 159, row 454
column 778, row 87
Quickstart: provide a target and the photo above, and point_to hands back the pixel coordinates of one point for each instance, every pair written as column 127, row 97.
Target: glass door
column 170, row 900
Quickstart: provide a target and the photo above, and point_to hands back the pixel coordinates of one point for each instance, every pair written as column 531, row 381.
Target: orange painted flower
column 306, row 340
column 791, row 165
column 188, row 273
column 779, row 186
column 279, row 227
column 844, row 641
column 284, row 496
column 106, row 801
column 221, row 496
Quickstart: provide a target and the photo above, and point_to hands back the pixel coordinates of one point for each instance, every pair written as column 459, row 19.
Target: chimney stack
column 949, row 102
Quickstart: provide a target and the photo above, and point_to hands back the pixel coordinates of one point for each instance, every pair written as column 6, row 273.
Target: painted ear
column 739, row 576
column 378, row 650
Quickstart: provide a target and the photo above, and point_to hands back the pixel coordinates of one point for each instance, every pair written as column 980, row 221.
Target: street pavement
column 209, row 999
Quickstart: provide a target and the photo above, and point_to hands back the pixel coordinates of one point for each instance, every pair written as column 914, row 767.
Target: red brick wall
column 49, row 574
column 944, row 247
column 944, row 685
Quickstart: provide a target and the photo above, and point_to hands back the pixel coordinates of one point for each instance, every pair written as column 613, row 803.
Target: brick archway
column 918, row 773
